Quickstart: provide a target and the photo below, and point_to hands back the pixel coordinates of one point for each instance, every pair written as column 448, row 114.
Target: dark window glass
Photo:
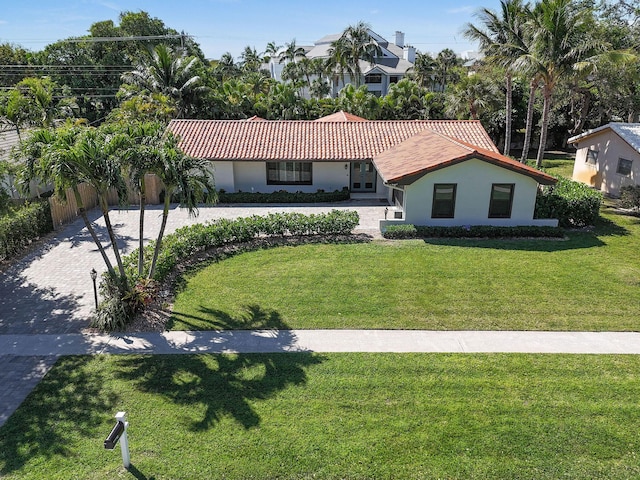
column 592, row 156
column 289, row 173
column 373, row 78
column 501, row 200
column 624, row 167
column 444, row 200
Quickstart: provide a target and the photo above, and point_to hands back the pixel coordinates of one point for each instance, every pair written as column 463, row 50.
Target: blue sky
column 228, row 25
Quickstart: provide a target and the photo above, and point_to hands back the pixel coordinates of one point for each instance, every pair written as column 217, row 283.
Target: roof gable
column 310, row 140
column 629, row 132
column 341, row 116
column 428, row 151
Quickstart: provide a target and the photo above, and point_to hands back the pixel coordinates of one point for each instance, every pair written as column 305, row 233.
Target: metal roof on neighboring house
column 629, row 132
column 8, row 139
column 305, row 140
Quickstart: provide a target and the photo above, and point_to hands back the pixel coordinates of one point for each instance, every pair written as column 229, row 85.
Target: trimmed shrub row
column 20, row 227
column 193, row 239
column 479, row 231
column 574, row 204
column 284, row 197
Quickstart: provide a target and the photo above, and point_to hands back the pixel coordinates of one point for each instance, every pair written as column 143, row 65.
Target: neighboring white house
column 389, row 68
column 608, row 157
column 432, row 172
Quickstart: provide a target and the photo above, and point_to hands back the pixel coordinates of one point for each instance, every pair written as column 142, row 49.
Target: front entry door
column 363, row 177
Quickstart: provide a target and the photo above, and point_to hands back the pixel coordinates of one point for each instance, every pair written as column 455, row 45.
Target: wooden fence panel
column 66, row 212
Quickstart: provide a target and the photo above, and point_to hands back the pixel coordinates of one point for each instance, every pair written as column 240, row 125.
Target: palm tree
column 561, row 41
column 226, row 68
column 355, row 44
column 138, row 154
column 171, row 72
column 184, row 177
column 424, row 70
column 445, row 61
column 291, row 52
column 406, row 100
column 501, row 38
column 250, row 60
column 470, row 96
column 94, row 157
column 271, row 51
column 48, row 156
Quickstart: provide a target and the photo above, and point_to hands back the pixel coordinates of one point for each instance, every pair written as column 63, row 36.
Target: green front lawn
column 332, row 416
column 588, row 282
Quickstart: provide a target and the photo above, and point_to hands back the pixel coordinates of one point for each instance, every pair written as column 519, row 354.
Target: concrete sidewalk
column 325, row 341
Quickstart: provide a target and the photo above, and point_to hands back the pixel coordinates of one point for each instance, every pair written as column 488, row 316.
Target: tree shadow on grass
column 254, row 318
column 223, row 385
column 69, row 402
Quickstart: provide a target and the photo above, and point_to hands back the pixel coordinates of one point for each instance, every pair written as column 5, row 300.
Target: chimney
column 399, row 39
column 409, row 54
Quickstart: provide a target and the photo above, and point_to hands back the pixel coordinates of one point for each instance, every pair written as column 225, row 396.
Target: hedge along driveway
column 583, row 283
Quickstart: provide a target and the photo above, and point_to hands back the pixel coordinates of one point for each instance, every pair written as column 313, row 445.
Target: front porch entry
column 363, row 177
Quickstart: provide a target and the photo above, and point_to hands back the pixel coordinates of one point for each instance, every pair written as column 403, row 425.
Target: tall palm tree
column 561, row 41
column 94, row 157
column 138, row 154
column 171, row 72
column 445, row 61
column 424, row 70
column 501, row 39
column 355, row 44
column 184, row 177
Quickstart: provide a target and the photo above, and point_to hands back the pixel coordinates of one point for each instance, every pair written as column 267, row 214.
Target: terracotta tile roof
column 341, row 116
column 312, row 141
column 428, row 151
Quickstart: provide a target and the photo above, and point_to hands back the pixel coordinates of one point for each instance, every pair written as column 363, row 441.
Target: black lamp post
column 94, row 275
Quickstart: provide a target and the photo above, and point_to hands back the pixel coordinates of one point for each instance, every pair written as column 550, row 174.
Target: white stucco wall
column 328, row 176
column 223, row 175
column 603, row 175
column 474, row 179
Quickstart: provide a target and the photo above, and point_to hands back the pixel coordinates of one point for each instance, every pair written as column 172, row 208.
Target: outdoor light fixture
column 94, row 275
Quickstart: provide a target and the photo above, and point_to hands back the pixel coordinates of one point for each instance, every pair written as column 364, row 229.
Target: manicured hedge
column 284, row 197
column 188, row 241
column 20, row 227
column 574, row 204
column 480, row 231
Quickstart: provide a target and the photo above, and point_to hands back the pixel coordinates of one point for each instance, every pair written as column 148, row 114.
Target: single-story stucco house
column 432, row 172
column 608, row 157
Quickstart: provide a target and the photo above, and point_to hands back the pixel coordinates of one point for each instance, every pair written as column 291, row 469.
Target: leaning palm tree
column 184, row 177
column 94, row 157
column 502, row 40
column 171, row 72
column 48, row 156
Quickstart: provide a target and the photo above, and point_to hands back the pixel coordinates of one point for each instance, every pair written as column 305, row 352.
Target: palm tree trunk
column 143, row 201
column 508, row 108
column 529, row 128
column 158, row 246
column 114, row 245
column 83, row 214
column 545, row 124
